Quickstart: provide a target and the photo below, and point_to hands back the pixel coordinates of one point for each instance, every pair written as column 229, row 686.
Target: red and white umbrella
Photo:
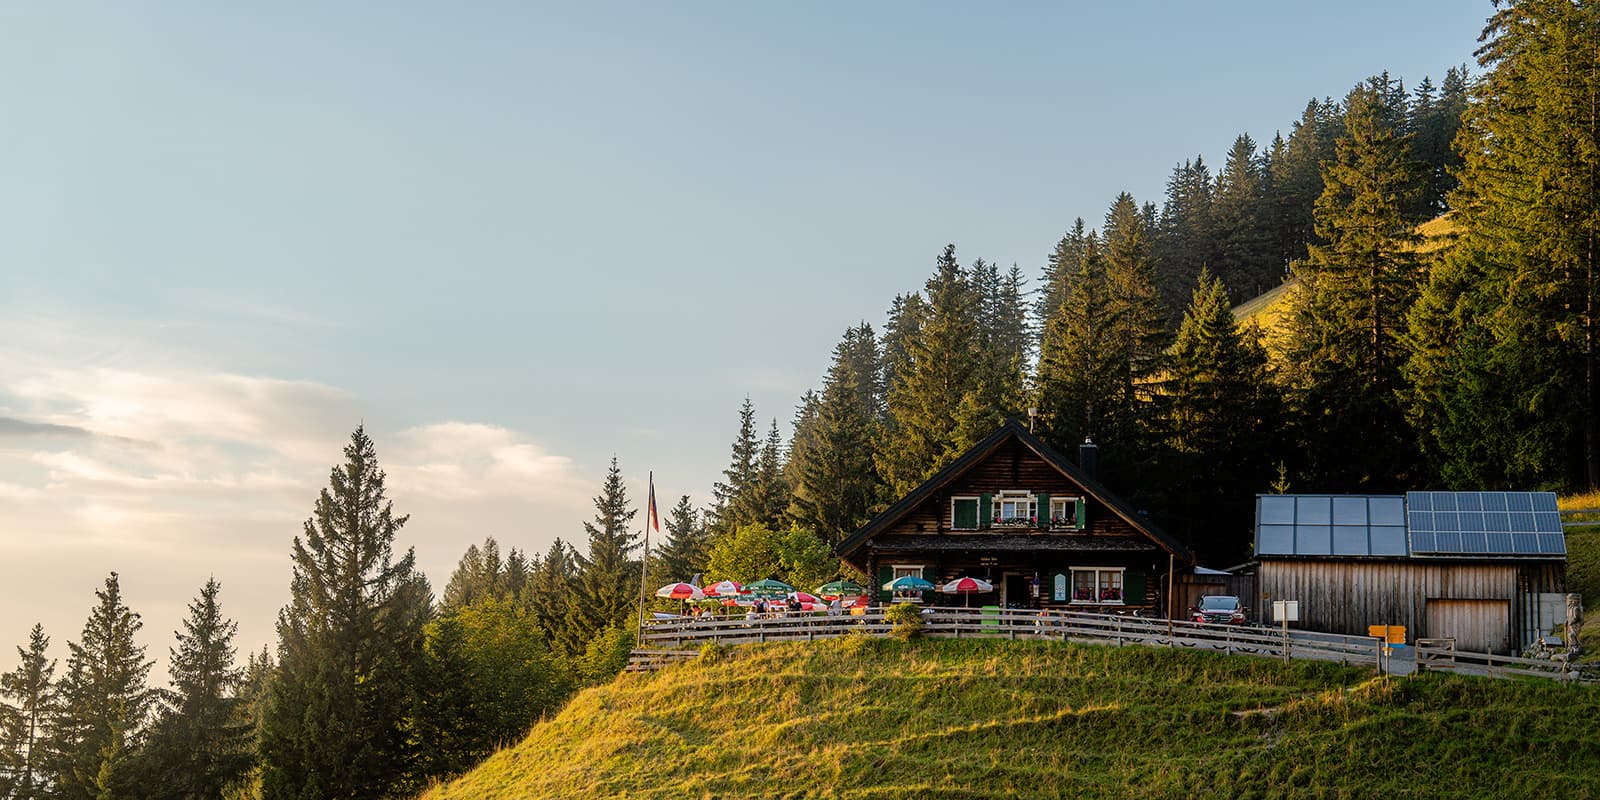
column 724, row 589
column 808, row 598
column 967, row 586
column 681, row 591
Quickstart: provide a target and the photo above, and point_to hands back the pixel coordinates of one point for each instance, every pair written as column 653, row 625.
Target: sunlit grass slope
column 864, row 718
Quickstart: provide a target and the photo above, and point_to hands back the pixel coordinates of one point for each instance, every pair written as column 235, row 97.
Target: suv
column 1219, row 609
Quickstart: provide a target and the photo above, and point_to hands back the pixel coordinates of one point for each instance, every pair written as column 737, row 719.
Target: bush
column 712, row 652
column 906, row 618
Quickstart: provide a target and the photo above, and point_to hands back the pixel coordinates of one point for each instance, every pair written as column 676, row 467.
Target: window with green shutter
column 985, row 510
column 1082, row 515
column 1133, row 587
column 964, row 513
column 1044, row 511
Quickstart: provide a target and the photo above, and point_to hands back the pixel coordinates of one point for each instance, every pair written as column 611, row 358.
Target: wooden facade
column 1485, row 605
column 1062, row 540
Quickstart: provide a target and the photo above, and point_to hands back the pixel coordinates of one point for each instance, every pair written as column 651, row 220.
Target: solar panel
column 1484, row 523
column 1331, row 525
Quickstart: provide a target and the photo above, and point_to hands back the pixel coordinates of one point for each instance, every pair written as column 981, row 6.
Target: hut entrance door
column 1017, row 594
column 1478, row 626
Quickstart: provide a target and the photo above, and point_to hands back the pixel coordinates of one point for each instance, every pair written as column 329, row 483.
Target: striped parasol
column 724, row 589
column 681, row 591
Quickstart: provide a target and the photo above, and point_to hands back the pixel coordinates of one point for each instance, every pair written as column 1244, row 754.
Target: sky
column 517, row 240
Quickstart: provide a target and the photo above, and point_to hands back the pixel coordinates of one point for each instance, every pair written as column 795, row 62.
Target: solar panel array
column 1484, row 523
column 1331, row 525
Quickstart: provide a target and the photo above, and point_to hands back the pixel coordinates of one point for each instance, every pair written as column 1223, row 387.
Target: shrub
column 906, row 619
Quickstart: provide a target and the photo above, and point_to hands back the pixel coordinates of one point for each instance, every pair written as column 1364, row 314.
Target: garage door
column 1482, row 626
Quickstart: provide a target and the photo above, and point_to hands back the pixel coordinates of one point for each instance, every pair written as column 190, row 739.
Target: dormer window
column 1067, row 513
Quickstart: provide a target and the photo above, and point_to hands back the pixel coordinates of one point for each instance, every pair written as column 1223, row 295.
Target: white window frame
column 1072, row 519
column 1116, row 575
column 1012, row 496
column 978, row 519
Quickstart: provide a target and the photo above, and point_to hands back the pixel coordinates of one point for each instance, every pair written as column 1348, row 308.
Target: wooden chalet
column 1018, row 514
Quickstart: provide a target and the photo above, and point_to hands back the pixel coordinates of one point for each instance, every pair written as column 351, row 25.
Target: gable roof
column 1012, row 429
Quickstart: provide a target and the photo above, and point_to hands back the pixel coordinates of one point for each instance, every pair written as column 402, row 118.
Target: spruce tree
column 1081, row 364
column 939, row 371
column 605, row 591
column 1513, row 397
column 686, row 549
column 1346, row 346
column 29, row 702
column 733, row 501
column 769, row 496
column 1295, row 174
column 482, row 574
column 549, row 595
column 835, row 480
column 907, row 314
column 1141, row 330
column 1059, row 270
column 349, row 645
column 1221, row 421
column 200, row 745
column 1244, row 262
column 1187, row 239
column 103, row 701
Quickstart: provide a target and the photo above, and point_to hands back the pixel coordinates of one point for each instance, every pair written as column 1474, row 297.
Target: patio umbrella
column 808, row 598
column 681, row 591
column 908, row 583
column 770, row 588
column 840, row 589
column 723, row 589
column 968, row 587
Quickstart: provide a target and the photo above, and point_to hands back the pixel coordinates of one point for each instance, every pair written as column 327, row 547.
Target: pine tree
column 1295, row 174
column 549, row 595
column 200, row 746
column 1132, row 294
column 349, row 645
column 769, row 495
column 1059, row 271
column 1513, row 397
column 103, row 700
column 1245, row 263
column 835, row 480
column 29, row 702
column 605, row 591
column 481, row 574
column 907, row 314
column 1187, row 237
column 940, row 370
column 1221, row 414
column 687, row 547
column 1347, row 348
column 1081, row 365
column 733, row 499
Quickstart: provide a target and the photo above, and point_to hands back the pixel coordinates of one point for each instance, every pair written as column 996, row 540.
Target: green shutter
column 1081, row 515
column 985, row 510
column 1043, row 512
column 885, row 574
column 1133, row 587
column 966, row 515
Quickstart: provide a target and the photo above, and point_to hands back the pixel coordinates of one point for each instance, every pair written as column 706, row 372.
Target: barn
column 1486, row 569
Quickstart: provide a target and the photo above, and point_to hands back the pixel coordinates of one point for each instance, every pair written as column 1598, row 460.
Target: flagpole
column 644, row 563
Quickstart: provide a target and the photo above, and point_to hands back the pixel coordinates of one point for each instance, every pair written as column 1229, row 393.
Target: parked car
column 1220, row 609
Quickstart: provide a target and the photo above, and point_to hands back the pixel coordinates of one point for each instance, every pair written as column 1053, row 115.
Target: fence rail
column 1446, row 657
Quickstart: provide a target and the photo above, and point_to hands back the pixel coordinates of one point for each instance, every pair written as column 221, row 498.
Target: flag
column 654, row 521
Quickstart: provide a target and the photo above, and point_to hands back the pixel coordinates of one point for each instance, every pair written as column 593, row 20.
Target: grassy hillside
column 863, row 718
column 1583, row 569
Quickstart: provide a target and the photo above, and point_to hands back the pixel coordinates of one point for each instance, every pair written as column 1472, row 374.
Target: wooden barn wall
column 1347, row 596
column 1013, row 467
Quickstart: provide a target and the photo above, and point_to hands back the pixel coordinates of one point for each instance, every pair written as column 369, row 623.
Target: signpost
column 1285, row 612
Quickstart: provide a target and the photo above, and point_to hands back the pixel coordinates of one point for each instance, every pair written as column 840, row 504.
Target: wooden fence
column 668, row 641
column 671, row 641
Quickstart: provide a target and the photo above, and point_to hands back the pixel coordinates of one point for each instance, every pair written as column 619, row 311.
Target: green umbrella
column 769, row 588
column 908, row 583
column 840, row 589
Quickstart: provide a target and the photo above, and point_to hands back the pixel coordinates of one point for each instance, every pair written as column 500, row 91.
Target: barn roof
column 1431, row 525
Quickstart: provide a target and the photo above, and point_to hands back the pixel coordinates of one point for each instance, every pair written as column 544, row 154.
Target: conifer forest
column 1436, row 250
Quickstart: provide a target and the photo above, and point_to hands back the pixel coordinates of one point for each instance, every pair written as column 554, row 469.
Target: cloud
column 461, row 460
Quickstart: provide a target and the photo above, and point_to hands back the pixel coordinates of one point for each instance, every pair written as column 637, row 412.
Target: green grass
column 877, row 718
column 1583, row 570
